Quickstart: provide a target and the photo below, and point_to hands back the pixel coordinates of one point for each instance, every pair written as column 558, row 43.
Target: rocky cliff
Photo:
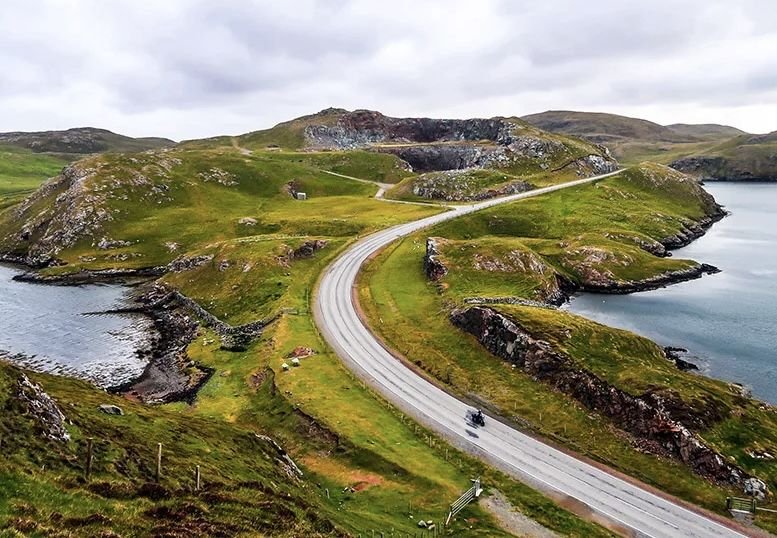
column 660, row 420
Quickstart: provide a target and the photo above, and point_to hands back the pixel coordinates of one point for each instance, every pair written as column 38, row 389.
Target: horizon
column 189, row 70
column 216, row 135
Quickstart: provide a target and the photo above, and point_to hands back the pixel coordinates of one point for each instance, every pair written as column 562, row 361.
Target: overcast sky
column 190, row 68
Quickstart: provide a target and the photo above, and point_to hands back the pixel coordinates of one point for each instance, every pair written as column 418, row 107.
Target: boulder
column 109, row 409
column 756, row 488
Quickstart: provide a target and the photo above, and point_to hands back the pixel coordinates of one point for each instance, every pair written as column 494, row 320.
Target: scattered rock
column 42, row 407
column 217, row 175
column 106, row 244
column 185, row 263
column 247, row 221
column 111, row 409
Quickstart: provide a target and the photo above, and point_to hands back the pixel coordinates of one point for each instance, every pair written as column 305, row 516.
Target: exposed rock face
column 41, row 407
column 692, row 230
column 661, row 420
column 592, row 266
column 433, row 267
column 440, row 144
column 363, row 128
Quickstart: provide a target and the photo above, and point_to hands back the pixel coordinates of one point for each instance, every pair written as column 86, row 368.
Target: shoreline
column 168, row 375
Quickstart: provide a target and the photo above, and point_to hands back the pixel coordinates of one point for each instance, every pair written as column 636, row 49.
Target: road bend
column 622, row 505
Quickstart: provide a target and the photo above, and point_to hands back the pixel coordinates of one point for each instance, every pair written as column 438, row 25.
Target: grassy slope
column 410, row 313
column 634, row 140
column 379, row 451
column 22, row 171
column 179, row 206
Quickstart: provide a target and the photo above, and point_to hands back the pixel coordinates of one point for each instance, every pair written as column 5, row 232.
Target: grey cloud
column 196, row 68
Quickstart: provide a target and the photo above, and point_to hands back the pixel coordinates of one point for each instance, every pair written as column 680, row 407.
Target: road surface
column 620, row 504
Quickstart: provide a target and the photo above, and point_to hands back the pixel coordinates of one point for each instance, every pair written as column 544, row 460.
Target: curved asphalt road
column 622, row 504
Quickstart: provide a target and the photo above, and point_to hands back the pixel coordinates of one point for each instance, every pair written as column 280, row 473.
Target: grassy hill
column 742, row 158
column 634, row 140
column 81, row 141
column 219, row 220
column 711, row 131
column 608, row 129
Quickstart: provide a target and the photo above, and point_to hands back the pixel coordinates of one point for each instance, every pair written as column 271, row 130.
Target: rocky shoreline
column 169, row 375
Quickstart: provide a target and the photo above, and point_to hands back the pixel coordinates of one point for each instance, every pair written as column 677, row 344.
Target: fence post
column 197, row 478
column 89, row 456
column 158, row 461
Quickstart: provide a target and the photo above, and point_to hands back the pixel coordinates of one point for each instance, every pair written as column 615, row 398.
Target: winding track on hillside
column 618, row 503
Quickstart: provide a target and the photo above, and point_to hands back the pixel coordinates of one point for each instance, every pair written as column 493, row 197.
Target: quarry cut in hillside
column 452, row 144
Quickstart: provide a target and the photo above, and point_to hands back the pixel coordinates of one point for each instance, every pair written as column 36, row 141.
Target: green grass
column 410, row 313
column 22, row 171
column 353, row 438
column 159, row 199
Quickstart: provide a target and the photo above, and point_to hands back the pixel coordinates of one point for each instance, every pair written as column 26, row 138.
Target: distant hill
column 742, row 158
column 709, row 131
column 633, row 140
column 604, row 128
column 81, row 141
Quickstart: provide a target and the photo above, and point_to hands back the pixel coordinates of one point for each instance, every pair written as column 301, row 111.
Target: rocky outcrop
column 362, row 128
column 592, row 276
column 433, row 267
column 282, row 458
column 76, row 212
column 308, row 249
column 717, row 168
column 42, row 408
column 460, row 186
column 675, row 354
column 661, row 420
column 233, row 338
